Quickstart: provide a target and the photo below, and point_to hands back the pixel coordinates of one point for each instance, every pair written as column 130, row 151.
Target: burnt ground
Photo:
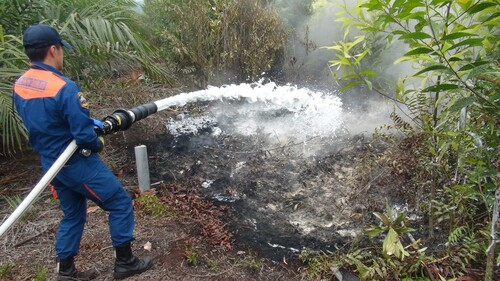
column 287, row 195
column 230, row 207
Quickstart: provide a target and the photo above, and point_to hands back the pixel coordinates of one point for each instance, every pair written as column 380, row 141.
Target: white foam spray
column 269, row 92
column 282, row 112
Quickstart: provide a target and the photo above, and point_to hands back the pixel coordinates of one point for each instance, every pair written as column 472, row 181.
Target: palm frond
column 13, row 61
column 105, row 35
column 100, row 44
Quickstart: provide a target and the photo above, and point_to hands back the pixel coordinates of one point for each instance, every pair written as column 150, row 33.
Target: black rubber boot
column 126, row 264
column 66, row 271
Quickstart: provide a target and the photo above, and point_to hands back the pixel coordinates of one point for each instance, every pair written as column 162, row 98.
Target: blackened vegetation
column 283, row 201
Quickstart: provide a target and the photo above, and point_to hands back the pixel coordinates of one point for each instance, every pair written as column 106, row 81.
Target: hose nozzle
column 122, row 119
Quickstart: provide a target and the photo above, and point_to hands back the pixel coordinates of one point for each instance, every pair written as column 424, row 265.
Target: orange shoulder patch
column 38, row 84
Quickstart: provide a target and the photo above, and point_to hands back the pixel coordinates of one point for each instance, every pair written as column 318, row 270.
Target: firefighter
column 55, row 113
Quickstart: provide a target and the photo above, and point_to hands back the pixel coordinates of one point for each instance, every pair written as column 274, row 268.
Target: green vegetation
column 41, row 273
column 453, row 48
column 151, row 205
column 105, row 37
column 216, row 41
column 13, row 202
column 191, row 254
column 394, row 224
column 12, row 63
column 5, row 269
column 249, row 261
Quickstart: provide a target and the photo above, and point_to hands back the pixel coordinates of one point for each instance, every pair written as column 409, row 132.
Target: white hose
column 37, row 190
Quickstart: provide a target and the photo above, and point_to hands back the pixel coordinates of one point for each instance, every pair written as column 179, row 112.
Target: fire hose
column 120, row 120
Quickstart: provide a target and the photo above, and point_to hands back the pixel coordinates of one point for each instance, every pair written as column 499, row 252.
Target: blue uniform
column 55, row 114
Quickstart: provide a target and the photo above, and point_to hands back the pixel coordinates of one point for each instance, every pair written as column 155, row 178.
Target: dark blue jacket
column 53, row 111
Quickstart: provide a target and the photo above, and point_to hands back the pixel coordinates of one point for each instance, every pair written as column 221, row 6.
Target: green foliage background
column 106, row 37
column 454, row 116
column 230, row 40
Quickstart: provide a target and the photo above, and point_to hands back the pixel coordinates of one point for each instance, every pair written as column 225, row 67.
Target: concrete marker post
column 141, row 160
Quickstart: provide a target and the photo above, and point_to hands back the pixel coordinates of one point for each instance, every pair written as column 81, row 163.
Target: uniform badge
column 83, row 101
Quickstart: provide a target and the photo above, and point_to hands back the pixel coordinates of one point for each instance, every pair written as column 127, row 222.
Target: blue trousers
column 85, row 178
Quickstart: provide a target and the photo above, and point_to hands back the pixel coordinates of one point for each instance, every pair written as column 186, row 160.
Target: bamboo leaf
column 369, row 84
column 350, row 76
column 397, row 4
column 345, row 21
column 368, row 72
column 408, row 7
column 361, row 56
column 350, row 85
column 480, row 7
column 372, row 5
column 419, row 51
column 416, row 35
column 440, row 87
column 457, row 35
column 455, row 58
column 402, row 59
column 419, row 15
column 358, row 40
column 432, row 68
column 468, row 42
column 398, row 32
column 334, row 47
column 473, row 65
column 440, row 2
column 494, row 16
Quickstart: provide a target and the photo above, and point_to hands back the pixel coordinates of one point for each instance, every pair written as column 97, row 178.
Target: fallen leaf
column 466, row 278
column 92, row 209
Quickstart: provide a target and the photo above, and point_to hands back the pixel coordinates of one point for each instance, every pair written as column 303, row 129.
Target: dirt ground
column 178, row 248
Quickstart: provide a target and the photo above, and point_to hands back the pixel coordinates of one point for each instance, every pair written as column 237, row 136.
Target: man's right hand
column 98, row 126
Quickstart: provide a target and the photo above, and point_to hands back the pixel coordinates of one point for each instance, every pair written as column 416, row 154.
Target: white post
column 141, row 160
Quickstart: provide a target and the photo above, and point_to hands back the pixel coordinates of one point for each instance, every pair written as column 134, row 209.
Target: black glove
column 100, row 145
column 96, row 149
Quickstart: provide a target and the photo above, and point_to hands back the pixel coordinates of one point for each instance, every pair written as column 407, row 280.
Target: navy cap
column 41, row 35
